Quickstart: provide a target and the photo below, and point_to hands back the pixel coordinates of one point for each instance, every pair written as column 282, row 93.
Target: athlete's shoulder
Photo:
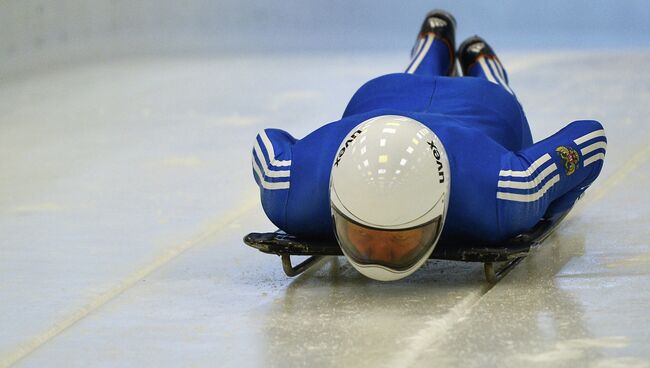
column 276, row 145
column 582, row 142
column 272, row 158
column 590, row 142
column 271, row 161
column 586, row 131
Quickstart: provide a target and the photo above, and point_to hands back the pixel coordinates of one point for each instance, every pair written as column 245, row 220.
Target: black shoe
column 443, row 25
column 470, row 50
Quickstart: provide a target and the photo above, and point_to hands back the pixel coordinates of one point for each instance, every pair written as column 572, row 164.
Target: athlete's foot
column 443, row 25
column 471, row 50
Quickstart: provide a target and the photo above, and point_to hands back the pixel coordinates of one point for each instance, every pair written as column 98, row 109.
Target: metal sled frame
column 512, row 251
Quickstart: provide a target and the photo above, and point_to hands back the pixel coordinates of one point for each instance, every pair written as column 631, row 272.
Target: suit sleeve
column 271, row 161
column 547, row 178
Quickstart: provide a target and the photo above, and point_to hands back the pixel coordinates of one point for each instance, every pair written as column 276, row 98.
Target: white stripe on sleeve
column 590, row 160
column 593, row 147
column 528, row 172
column 269, row 149
column 592, row 135
column 532, row 196
column 268, row 172
column 267, row 184
column 528, row 184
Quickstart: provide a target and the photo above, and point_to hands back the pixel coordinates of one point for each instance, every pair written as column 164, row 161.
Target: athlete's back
column 469, row 102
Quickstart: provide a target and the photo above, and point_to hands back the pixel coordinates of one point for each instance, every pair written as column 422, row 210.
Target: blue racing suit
column 501, row 183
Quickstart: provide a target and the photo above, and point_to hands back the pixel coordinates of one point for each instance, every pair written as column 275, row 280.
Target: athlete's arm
column 547, row 178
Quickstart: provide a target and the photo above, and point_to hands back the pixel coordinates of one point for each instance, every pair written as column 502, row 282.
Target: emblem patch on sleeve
column 570, row 158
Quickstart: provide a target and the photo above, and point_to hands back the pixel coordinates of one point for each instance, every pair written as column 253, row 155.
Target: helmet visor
column 395, row 249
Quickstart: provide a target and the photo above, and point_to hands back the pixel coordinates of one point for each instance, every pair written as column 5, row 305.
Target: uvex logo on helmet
column 347, row 143
column 436, row 154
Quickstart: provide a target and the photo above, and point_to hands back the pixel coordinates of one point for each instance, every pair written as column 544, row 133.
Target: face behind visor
column 398, row 249
column 389, row 192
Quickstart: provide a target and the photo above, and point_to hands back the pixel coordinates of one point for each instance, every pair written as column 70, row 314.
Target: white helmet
column 389, row 191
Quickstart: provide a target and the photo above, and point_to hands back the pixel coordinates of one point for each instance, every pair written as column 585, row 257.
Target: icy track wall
column 38, row 33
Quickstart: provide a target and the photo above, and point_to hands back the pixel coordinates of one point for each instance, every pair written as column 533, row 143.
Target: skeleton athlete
column 425, row 159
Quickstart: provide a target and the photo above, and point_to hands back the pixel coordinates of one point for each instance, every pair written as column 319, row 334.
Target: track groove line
column 436, row 329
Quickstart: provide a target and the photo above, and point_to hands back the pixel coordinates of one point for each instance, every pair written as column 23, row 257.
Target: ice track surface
column 127, row 188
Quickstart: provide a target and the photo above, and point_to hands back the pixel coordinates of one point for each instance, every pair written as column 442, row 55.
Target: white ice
column 126, row 190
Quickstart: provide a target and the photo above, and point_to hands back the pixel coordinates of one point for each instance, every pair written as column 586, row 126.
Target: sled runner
column 511, row 251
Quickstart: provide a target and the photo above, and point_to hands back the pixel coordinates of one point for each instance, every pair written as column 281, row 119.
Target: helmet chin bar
column 381, row 273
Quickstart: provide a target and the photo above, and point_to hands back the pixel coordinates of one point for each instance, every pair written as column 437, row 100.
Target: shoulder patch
column 570, row 158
